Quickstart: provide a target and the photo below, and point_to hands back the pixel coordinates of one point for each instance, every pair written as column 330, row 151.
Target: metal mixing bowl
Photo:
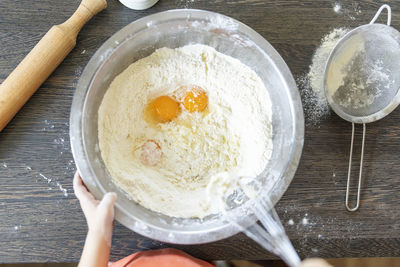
column 176, row 28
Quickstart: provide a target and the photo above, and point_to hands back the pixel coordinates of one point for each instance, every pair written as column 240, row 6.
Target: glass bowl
column 176, row 28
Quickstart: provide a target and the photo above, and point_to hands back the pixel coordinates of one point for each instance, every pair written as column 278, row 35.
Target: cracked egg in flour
column 178, row 118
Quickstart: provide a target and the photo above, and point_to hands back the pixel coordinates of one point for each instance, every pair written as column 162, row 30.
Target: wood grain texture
column 42, row 60
column 38, row 223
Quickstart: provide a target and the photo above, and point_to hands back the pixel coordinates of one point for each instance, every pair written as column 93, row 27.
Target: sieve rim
column 392, row 105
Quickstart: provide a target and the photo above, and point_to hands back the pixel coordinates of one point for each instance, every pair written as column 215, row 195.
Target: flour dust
column 350, row 11
column 311, row 85
column 59, row 145
column 184, row 3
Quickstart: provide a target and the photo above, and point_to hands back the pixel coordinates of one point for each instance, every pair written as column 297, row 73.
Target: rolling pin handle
column 42, row 60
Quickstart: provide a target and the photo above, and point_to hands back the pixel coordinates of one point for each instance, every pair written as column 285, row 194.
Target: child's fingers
column 315, row 263
column 108, row 201
column 105, row 212
column 106, row 207
column 81, row 191
column 106, row 215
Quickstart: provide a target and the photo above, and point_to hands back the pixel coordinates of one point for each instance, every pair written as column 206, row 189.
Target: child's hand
column 99, row 217
column 99, row 214
column 315, row 263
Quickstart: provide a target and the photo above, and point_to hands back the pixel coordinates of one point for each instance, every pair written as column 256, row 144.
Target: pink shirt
column 167, row 257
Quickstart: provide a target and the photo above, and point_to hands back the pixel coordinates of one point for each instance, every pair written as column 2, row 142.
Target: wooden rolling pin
column 44, row 58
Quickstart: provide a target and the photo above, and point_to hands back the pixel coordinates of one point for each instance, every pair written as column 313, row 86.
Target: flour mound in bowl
column 166, row 166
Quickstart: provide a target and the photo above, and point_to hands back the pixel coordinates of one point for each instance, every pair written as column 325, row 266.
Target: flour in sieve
column 358, row 79
column 312, row 84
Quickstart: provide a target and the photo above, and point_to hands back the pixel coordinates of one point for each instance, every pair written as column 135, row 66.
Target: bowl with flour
column 251, row 125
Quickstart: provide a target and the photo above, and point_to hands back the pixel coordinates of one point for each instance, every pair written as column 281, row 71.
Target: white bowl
column 138, row 4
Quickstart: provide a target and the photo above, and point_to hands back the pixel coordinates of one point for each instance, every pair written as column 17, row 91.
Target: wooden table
column 41, row 222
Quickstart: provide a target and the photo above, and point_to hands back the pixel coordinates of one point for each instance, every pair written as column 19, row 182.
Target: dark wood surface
column 39, row 223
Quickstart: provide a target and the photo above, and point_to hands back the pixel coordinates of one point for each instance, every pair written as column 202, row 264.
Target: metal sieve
column 362, row 80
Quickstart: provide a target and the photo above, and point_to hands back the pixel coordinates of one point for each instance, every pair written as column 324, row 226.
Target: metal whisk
column 271, row 235
column 268, row 232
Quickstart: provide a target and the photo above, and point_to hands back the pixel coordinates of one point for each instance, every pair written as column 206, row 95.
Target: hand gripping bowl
column 176, row 28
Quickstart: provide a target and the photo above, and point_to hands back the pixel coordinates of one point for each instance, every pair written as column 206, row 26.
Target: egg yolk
column 195, row 100
column 165, row 108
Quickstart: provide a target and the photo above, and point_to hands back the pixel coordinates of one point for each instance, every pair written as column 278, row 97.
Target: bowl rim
column 80, row 155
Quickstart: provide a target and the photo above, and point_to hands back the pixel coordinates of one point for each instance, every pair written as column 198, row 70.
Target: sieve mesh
column 363, row 75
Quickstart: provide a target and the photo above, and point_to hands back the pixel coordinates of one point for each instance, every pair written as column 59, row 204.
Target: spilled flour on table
column 319, row 59
column 350, row 11
column 56, row 183
column 311, row 85
column 60, row 152
column 337, row 7
column 184, row 3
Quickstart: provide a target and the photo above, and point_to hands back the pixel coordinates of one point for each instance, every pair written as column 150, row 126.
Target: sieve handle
column 378, row 13
column 360, row 173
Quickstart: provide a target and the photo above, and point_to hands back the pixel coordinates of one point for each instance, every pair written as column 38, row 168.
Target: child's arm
column 99, row 217
column 315, row 262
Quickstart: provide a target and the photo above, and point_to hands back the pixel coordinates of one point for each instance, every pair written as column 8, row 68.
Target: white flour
column 312, row 84
column 234, row 136
column 349, row 10
column 320, row 57
column 337, row 7
column 184, row 3
column 355, row 80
